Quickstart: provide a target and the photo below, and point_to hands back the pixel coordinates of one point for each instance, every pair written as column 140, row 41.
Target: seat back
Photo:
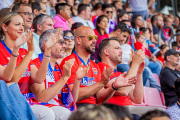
column 157, row 78
column 152, row 97
column 162, row 98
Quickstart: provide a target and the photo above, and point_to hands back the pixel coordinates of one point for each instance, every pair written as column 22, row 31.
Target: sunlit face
column 141, row 39
column 123, row 37
column 58, row 50
column 118, row 5
column 164, row 50
column 147, row 34
column 115, row 52
column 15, row 27
column 88, row 13
column 43, row 9
column 139, row 21
column 48, row 24
column 66, row 13
column 103, row 23
column 28, row 19
column 86, row 44
column 69, row 42
column 173, row 60
column 53, row 3
column 108, row 12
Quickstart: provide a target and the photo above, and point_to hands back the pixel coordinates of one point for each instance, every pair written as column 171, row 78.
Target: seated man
column 168, row 75
column 174, row 111
column 54, row 92
column 111, row 55
column 93, row 88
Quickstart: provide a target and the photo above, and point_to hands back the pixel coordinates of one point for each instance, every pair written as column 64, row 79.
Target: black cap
column 171, row 52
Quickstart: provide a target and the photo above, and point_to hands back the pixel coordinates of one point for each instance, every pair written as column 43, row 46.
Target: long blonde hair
column 5, row 19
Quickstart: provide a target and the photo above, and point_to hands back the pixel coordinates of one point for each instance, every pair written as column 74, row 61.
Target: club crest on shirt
column 95, row 70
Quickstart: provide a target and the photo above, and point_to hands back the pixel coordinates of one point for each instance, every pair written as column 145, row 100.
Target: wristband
column 114, row 87
column 47, row 56
column 14, row 55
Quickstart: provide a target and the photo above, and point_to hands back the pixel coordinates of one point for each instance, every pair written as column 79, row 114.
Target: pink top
column 60, row 22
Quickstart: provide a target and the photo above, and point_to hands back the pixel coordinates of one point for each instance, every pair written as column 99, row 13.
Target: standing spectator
column 41, row 23
column 84, row 14
column 168, row 75
column 174, row 111
column 39, row 8
column 140, row 7
column 25, row 11
column 108, row 11
column 101, row 25
column 63, row 13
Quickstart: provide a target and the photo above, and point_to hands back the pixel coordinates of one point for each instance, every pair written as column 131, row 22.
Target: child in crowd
column 160, row 54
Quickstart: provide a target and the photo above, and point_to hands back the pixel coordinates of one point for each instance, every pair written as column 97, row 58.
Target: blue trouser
column 125, row 68
column 144, row 14
column 154, row 66
column 13, row 106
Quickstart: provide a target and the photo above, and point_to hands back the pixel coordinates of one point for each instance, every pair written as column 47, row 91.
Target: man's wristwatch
column 114, row 87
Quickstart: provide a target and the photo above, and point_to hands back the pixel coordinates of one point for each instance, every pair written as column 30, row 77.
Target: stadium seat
column 157, row 78
column 152, row 97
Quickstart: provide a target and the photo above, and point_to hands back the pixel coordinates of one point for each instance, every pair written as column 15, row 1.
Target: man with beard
column 169, row 75
column 111, row 55
column 93, row 89
column 54, row 94
column 157, row 22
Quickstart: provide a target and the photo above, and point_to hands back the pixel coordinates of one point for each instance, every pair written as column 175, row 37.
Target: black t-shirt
column 167, row 79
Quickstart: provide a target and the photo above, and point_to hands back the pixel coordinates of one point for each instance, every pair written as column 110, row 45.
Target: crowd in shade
column 88, row 60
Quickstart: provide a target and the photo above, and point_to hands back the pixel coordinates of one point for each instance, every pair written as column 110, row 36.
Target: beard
column 58, row 54
column 159, row 26
column 88, row 49
column 115, row 59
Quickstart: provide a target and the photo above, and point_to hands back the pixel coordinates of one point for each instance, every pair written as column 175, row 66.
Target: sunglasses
column 109, row 12
column 62, row 42
column 90, row 37
column 67, row 37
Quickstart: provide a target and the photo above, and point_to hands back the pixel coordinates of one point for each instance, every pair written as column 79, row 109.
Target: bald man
column 93, row 88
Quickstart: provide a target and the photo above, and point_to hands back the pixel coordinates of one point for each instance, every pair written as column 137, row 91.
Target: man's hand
column 30, row 42
column 67, row 67
column 51, row 42
column 82, row 72
column 106, row 75
column 138, row 57
column 123, row 82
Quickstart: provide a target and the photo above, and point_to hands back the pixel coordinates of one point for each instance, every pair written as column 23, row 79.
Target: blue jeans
column 151, row 82
column 13, row 106
column 144, row 14
column 125, row 68
column 155, row 67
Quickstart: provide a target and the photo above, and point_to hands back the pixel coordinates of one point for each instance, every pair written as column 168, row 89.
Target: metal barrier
column 170, row 43
column 160, row 32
